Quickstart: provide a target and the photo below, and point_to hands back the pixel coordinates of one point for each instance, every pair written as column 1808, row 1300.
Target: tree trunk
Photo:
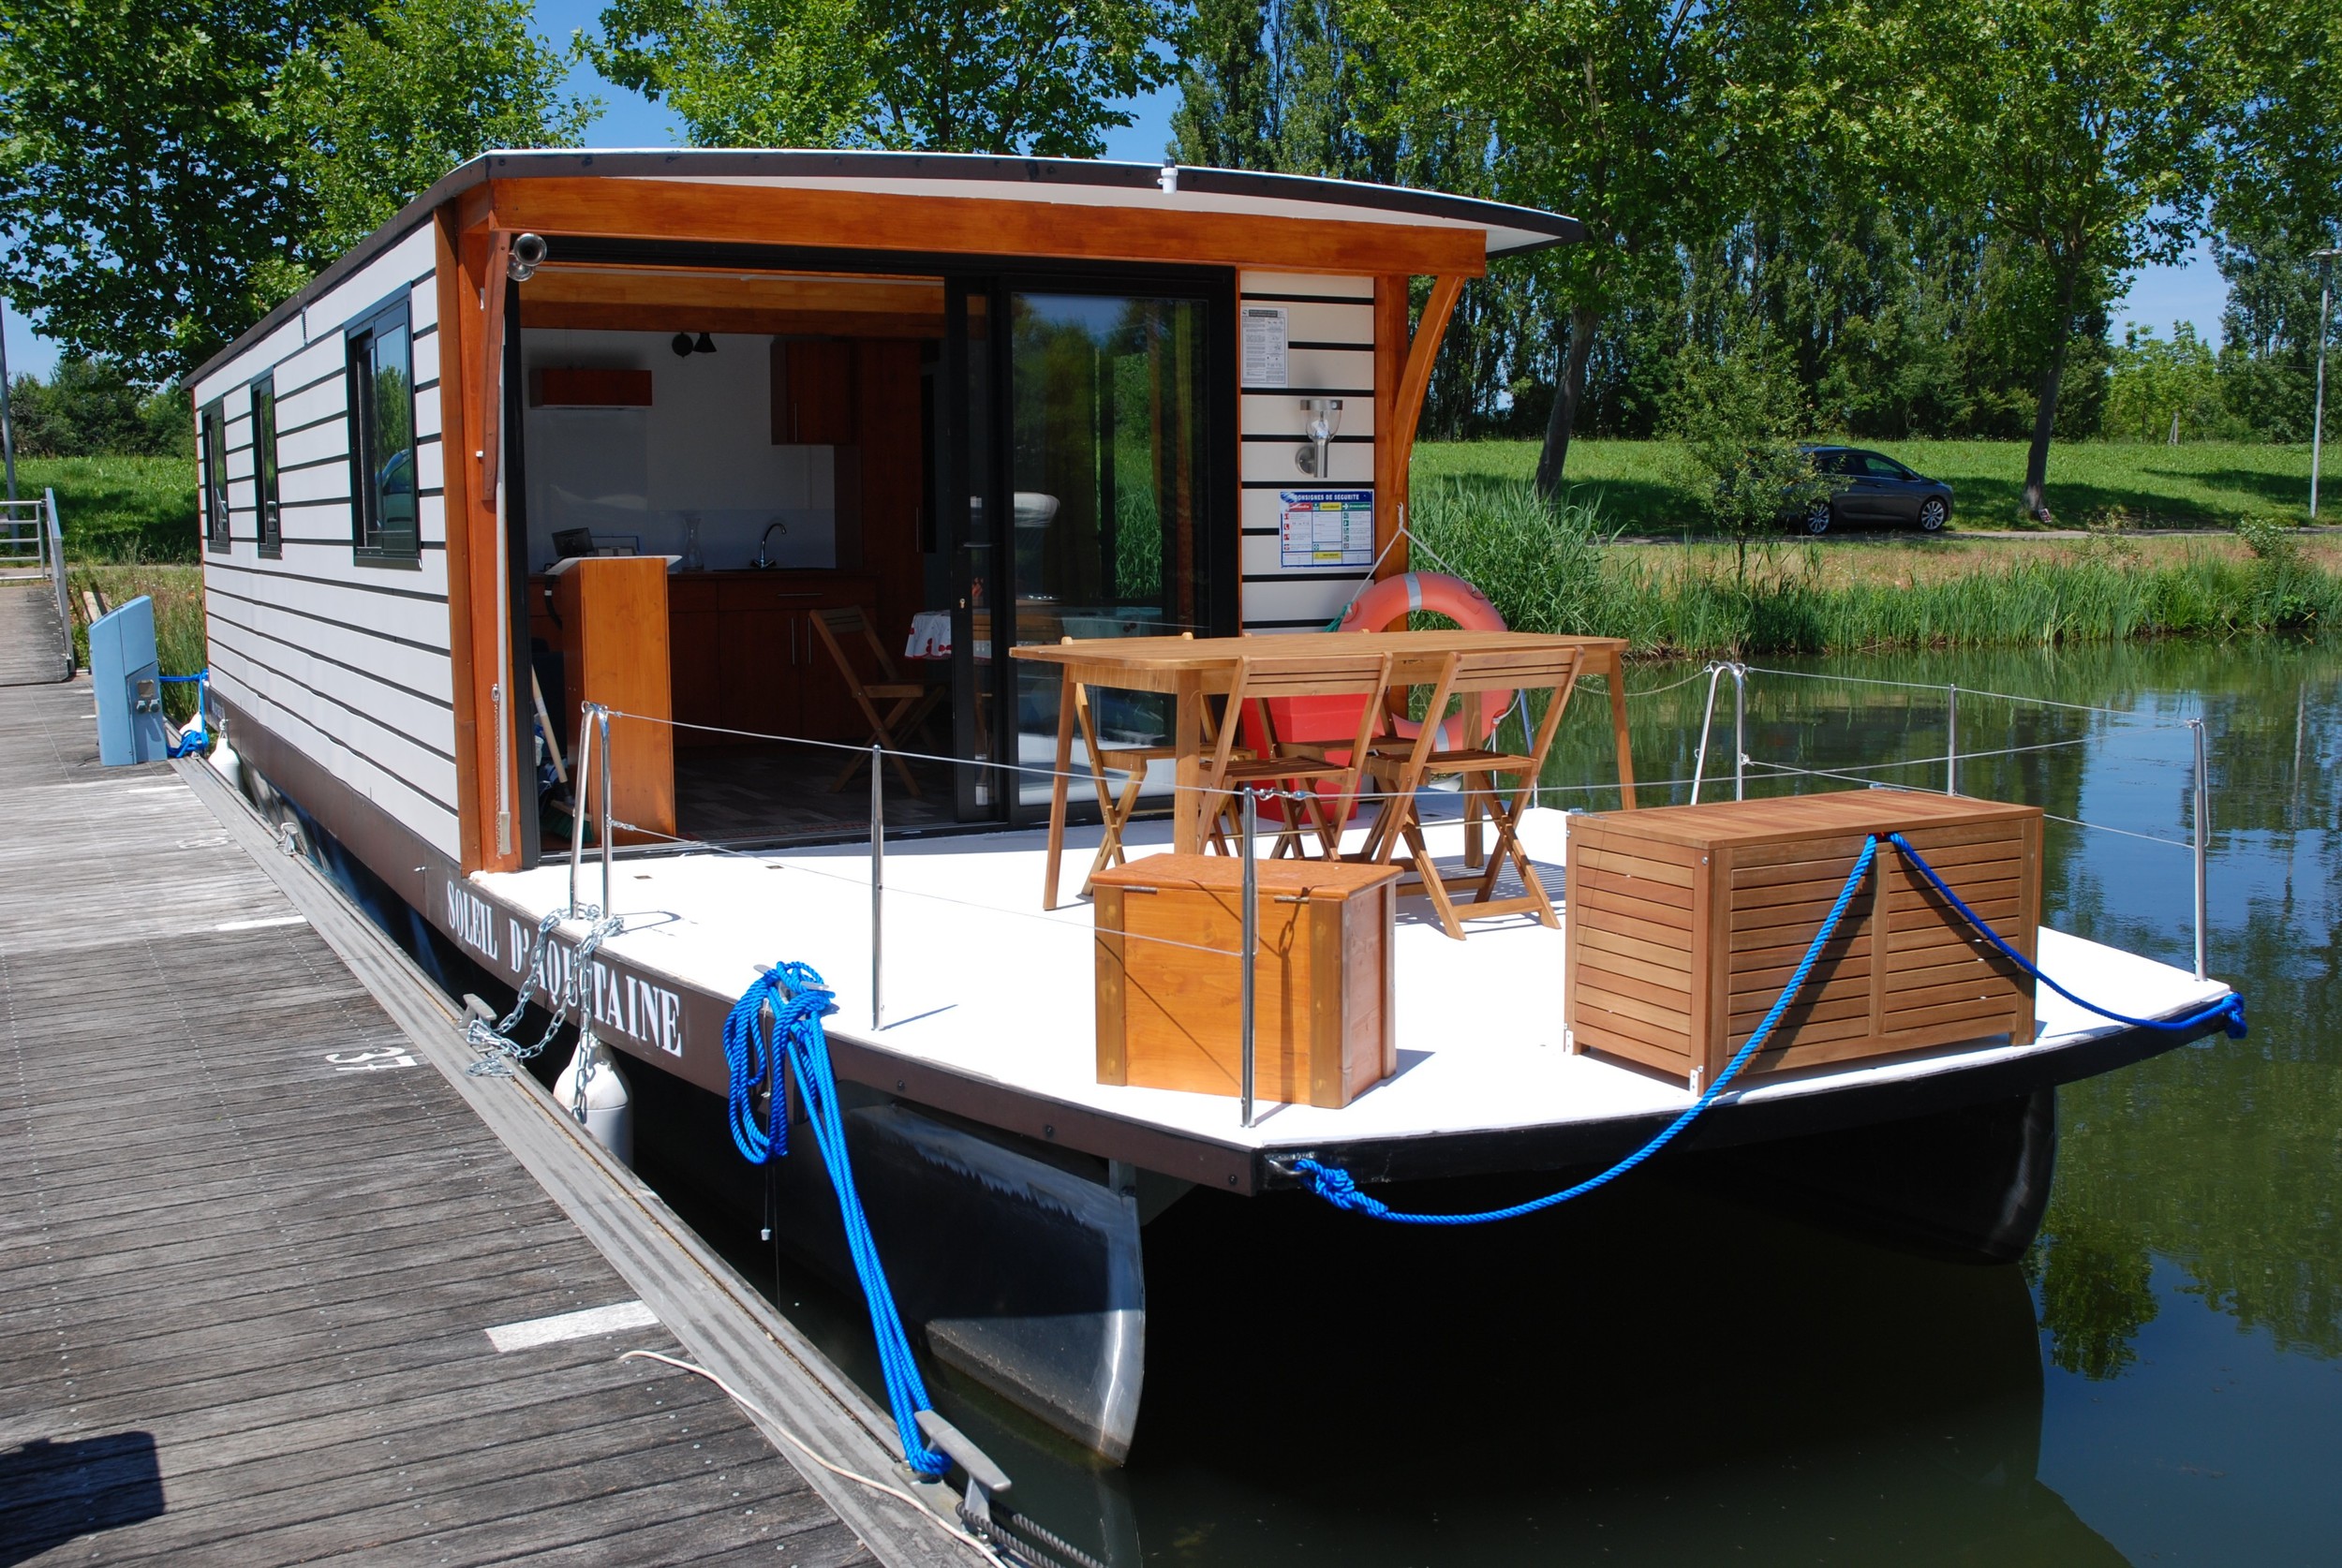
column 2045, row 400
column 1563, row 419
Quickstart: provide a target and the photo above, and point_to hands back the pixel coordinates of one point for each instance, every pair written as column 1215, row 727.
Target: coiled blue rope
column 1338, row 1188
column 2229, row 1012
column 798, row 996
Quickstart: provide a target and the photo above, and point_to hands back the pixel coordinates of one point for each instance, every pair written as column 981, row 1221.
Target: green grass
column 1548, row 570
column 119, row 508
column 1641, row 487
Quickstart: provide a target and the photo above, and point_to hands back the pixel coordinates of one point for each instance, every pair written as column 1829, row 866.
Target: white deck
column 980, row 979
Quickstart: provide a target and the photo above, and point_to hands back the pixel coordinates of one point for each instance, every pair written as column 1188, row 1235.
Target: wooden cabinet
column 613, row 628
column 1169, row 985
column 747, row 657
column 814, row 391
column 1686, row 920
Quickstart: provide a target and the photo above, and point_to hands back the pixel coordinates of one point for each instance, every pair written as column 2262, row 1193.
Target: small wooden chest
column 1168, row 1013
column 1684, row 923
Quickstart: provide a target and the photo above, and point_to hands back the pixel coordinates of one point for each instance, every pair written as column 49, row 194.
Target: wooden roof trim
column 978, row 226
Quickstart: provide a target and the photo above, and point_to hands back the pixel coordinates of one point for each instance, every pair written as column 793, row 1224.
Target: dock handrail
column 53, row 540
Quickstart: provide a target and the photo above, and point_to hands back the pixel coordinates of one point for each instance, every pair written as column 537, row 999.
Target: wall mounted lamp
column 1325, row 419
column 685, row 345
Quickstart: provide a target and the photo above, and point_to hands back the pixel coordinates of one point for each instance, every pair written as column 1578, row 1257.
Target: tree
column 1738, row 414
column 142, row 174
column 1600, row 107
column 2090, row 143
column 2160, row 391
column 2281, row 143
column 378, row 110
column 1015, row 76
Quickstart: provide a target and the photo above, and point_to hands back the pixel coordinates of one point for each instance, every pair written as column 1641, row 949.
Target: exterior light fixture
column 1325, row 419
column 526, row 255
column 1169, row 177
column 681, row 343
column 706, row 345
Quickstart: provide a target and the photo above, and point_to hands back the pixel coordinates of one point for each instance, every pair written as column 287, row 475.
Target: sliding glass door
column 1115, row 516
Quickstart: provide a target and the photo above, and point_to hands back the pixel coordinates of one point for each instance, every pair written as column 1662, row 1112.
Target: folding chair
column 1285, row 766
column 913, row 701
column 1403, row 769
column 1116, row 807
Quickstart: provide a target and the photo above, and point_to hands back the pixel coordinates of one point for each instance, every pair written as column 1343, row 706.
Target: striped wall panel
column 1329, row 329
column 345, row 659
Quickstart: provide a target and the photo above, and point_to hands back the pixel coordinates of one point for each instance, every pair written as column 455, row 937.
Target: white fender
column 609, row 1114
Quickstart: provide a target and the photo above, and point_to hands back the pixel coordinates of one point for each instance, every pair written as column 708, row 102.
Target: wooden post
column 466, row 390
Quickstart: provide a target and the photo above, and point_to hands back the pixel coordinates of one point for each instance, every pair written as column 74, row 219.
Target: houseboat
column 953, row 500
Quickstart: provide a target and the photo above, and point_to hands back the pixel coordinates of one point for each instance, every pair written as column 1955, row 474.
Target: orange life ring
column 1388, row 602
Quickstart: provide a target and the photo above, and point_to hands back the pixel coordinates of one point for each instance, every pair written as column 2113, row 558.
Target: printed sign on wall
column 1326, row 528
column 1265, row 338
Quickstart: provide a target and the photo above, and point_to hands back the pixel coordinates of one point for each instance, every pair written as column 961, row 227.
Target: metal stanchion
column 1739, row 730
column 583, row 757
column 1951, row 740
column 877, row 890
column 1707, row 722
column 1250, row 945
column 2203, row 844
column 602, row 719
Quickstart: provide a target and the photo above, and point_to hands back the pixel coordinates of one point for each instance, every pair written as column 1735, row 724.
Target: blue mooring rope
column 2229, row 1011
column 198, row 735
column 798, row 998
column 1337, row 1186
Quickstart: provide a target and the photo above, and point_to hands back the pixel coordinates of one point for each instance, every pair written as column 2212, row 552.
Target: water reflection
column 1668, row 1373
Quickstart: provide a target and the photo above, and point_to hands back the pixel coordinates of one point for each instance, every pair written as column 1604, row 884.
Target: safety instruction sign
column 1265, row 344
column 1326, row 528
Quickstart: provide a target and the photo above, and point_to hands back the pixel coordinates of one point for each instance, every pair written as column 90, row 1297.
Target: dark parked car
column 1872, row 489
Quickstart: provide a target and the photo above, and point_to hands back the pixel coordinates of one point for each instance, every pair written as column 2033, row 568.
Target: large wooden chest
column 1684, row 923
column 1169, row 929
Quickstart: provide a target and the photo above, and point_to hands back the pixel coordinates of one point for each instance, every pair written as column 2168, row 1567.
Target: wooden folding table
column 1191, row 669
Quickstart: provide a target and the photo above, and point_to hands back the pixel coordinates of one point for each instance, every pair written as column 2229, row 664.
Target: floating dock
column 279, row 1283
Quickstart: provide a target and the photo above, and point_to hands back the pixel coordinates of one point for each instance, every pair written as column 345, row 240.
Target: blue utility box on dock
column 127, row 680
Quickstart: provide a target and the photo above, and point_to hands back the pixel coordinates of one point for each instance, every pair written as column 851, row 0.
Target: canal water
column 1669, row 1371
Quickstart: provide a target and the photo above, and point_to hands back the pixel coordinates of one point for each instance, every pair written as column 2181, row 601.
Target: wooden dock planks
column 247, row 1256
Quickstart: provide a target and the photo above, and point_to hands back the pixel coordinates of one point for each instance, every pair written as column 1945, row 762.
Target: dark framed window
column 215, row 532
column 383, row 438
column 264, row 465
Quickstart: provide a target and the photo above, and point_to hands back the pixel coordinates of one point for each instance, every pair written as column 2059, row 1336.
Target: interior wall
column 704, row 447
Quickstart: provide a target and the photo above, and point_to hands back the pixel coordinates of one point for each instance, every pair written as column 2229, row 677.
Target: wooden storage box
column 1684, row 923
column 1168, row 1014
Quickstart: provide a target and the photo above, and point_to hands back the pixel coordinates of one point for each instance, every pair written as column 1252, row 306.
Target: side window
column 215, row 532
column 264, row 465
column 382, row 438
column 1882, row 467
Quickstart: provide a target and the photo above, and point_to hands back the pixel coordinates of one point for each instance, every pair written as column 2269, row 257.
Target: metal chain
column 495, row 1039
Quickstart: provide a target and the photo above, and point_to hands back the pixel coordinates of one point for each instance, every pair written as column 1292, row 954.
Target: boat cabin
column 858, row 422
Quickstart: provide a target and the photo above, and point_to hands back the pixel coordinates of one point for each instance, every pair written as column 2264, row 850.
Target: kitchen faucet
column 763, row 561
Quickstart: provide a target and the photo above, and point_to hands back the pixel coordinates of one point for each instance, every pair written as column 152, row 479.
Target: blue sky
column 2191, row 292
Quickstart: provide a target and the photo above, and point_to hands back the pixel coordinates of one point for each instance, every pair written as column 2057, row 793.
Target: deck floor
column 243, row 1292
column 32, row 653
column 982, row 980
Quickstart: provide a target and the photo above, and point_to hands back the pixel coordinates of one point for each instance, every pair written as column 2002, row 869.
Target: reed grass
column 1555, row 568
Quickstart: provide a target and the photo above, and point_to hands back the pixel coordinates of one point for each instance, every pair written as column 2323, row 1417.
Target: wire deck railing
column 591, row 758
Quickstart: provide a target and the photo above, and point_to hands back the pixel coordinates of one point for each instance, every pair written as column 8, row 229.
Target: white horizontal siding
column 427, row 347
column 319, row 445
column 427, row 726
column 1309, row 322
column 1261, row 283
column 253, row 362
column 304, row 580
column 431, row 819
column 1279, row 413
column 374, row 284
column 1352, row 463
column 427, row 411
column 424, row 671
column 325, row 480
column 420, row 774
column 1326, row 369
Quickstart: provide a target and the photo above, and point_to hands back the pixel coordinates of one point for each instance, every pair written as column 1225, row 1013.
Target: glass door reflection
column 1109, row 461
